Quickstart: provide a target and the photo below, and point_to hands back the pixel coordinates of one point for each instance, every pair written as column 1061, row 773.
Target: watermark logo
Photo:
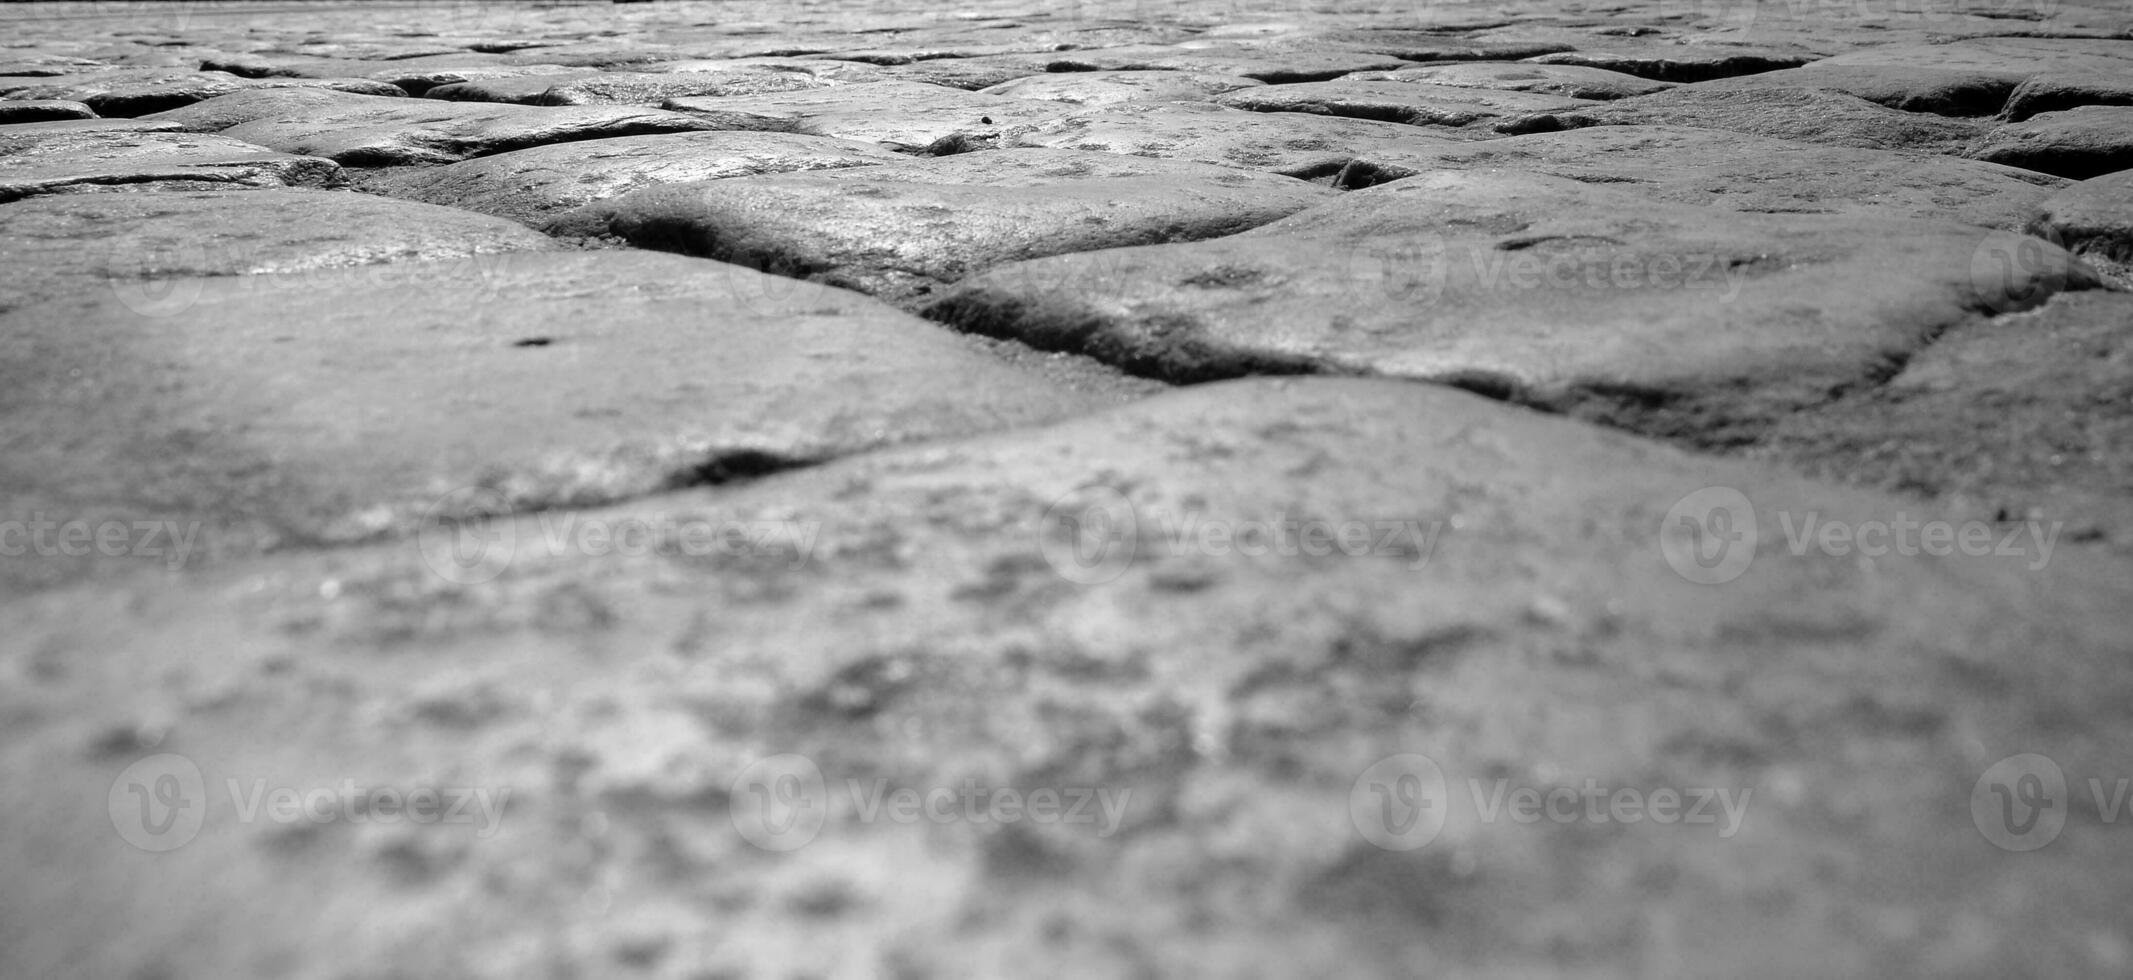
column 783, row 802
column 171, row 541
column 1091, row 535
column 159, row 803
column 471, row 535
column 1402, row 802
column 2011, row 271
column 2021, row 803
column 1711, row 536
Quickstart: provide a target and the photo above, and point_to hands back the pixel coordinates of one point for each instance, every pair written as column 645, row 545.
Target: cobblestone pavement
column 831, row 488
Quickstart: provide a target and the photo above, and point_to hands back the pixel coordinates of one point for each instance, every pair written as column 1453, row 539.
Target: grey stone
column 1290, row 143
column 536, row 185
column 1678, row 63
column 1674, row 320
column 42, row 110
column 1413, row 103
column 67, row 244
column 2078, row 143
column 2093, row 216
column 1567, row 81
column 1798, row 114
column 1709, row 167
column 899, row 232
column 1941, row 91
column 54, row 162
column 138, row 92
column 909, row 115
column 1096, row 88
column 389, row 132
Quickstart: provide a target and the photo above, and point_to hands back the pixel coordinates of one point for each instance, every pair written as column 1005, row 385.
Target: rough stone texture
column 2079, row 143
column 2053, row 73
column 2093, row 216
column 2049, row 92
column 223, row 112
column 901, row 232
column 1267, row 64
column 1568, row 81
column 910, row 115
column 2027, row 417
column 56, row 162
column 42, row 110
column 130, row 92
column 1684, row 165
column 1412, row 103
column 1801, row 115
column 1683, row 63
column 60, row 245
column 1537, row 289
column 922, row 638
column 535, row 186
column 1095, row 88
column 406, row 131
column 337, row 405
column 653, row 88
column 1941, row 91
column 1295, row 144
column 59, row 126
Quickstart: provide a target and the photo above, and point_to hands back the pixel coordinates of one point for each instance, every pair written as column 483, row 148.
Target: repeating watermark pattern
column 1093, row 534
column 1712, row 535
column 160, row 803
column 2021, row 802
column 1402, row 802
column 1421, row 270
column 471, row 535
column 782, row 803
column 169, row 541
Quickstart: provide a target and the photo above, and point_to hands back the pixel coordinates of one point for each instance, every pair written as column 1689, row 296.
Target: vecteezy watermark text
column 466, row 548
column 2021, row 803
column 1092, row 535
column 1712, row 535
column 171, row 541
column 160, row 803
column 1403, row 802
column 782, row 802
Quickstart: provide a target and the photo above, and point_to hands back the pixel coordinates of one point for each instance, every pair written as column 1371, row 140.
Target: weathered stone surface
column 906, row 628
column 1801, row 115
column 42, row 110
column 51, row 162
column 340, row 404
column 2095, row 215
column 970, row 74
column 391, row 132
column 1410, row 45
column 720, row 78
column 1413, row 103
column 1709, row 167
column 910, row 115
column 419, row 79
column 1295, row 144
column 1658, row 317
column 137, row 92
column 222, row 112
column 536, row 185
column 2051, row 92
column 1095, row 88
column 2026, row 417
column 900, row 232
column 56, row 127
column 1275, row 66
column 1568, row 81
column 2079, row 143
column 59, row 245
column 1678, row 63
column 1941, row 91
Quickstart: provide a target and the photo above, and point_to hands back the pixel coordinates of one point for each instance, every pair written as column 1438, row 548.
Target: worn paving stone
column 1290, row 143
column 76, row 244
column 416, row 78
column 138, row 92
column 1568, row 81
column 915, row 621
column 42, row 110
column 55, row 127
column 969, row 74
column 1275, row 66
column 1685, row 165
column 1678, row 62
column 2026, row 417
column 2078, row 143
column 908, row 115
column 2093, row 216
column 1941, row 91
column 400, row 132
column 537, row 185
column 341, row 404
column 2051, row 73
column 900, row 232
column 237, row 108
column 1447, row 107
column 1801, row 115
column 53, row 162
column 1426, row 46
column 1096, row 88
column 719, row 78
column 1579, row 299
